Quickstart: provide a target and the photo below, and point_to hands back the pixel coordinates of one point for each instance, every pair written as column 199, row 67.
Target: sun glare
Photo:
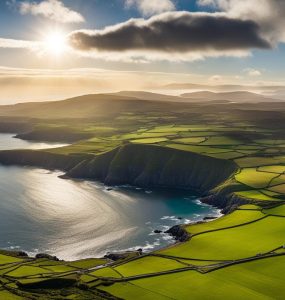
column 55, row 43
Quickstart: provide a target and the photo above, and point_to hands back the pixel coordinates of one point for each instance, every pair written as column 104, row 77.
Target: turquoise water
column 40, row 212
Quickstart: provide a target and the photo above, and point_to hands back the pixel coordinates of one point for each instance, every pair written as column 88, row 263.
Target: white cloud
column 151, row 7
column 216, row 78
column 156, row 56
column 252, row 72
column 206, row 2
column 51, row 9
column 268, row 14
column 18, row 44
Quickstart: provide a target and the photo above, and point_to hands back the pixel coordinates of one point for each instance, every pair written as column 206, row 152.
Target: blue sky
column 258, row 66
column 101, row 13
column 98, row 13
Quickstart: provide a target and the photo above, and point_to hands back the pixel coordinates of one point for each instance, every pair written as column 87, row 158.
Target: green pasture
column 221, row 141
column 279, row 179
column 255, row 195
column 238, row 217
column 5, row 259
column 216, row 251
column 254, row 178
column 149, row 140
column 190, row 140
column 148, row 265
column 254, row 238
column 279, row 211
column 253, row 280
column 278, row 189
column 272, row 169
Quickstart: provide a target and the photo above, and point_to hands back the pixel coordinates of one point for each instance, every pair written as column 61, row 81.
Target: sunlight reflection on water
column 40, row 212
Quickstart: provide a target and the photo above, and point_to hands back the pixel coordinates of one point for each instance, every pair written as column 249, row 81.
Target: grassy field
column 238, row 256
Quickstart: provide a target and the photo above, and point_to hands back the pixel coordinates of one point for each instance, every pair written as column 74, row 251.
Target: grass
column 132, row 291
column 278, row 189
column 255, row 179
column 196, row 149
column 5, row 259
column 198, row 133
column 279, row 210
column 226, row 155
column 256, row 161
column 5, row 295
column 87, row 263
column 150, row 140
column 190, row 140
column 250, row 207
column 148, row 265
column 27, row 271
column 143, row 135
column 258, row 237
column 236, row 218
column 59, row 268
column 253, row 280
column 255, row 194
column 273, row 169
column 105, row 272
column 221, row 141
column 278, row 180
column 257, row 147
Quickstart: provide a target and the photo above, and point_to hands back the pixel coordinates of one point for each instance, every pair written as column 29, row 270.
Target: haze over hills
column 90, row 106
column 271, row 91
column 145, row 95
column 237, row 96
column 205, row 96
column 221, row 87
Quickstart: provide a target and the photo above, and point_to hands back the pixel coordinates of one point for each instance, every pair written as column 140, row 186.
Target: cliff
column 139, row 165
column 153, row 166
column 56, row 134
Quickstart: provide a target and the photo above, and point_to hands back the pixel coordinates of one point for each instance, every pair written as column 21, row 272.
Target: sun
column 55, row 43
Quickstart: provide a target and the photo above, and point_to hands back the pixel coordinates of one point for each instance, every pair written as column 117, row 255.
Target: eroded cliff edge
column 153, row 166
column 145, row 166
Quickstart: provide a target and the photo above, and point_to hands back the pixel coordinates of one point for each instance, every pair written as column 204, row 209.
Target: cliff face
column 153, row 166
column 139, row 165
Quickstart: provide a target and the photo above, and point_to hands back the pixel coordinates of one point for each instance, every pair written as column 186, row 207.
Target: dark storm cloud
column 178, row 32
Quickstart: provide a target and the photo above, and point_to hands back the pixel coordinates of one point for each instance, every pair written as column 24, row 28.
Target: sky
column 51, row 49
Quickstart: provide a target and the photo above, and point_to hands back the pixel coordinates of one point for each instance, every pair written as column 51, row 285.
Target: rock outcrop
column 179, row 233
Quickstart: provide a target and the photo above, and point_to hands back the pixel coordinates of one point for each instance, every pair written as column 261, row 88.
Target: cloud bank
column 207, row 34
column 51, row 9
column 18, row 44
column 269, row 14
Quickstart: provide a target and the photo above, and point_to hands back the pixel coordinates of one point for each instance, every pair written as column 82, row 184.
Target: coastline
column 71, row 165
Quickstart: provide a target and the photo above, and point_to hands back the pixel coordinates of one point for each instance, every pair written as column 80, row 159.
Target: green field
column 238, row 256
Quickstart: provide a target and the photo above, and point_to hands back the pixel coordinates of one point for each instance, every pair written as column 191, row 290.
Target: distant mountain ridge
column 234, row 96
column 237, row 96
column 111, row 105
column 221, row 87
